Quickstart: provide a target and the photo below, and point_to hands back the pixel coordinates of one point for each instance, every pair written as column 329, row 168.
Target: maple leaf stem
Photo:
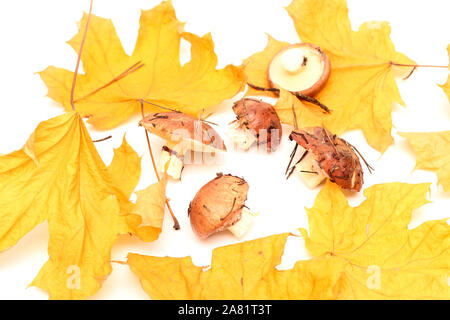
column 410, row 73
column 414, row 66
column 75, row 74
column 174, row 110
column 210, row 122
column 299, row 96
column 176, row 224
column 295, row 117
column 417, row 65
column 103, row 139
column 157, row 105
column 128, row 71
column 390, row 63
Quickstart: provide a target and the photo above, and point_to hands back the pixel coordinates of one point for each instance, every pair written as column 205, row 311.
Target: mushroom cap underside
column 308, row 83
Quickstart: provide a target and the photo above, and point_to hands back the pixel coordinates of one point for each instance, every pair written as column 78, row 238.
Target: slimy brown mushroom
column 325, row 155
column 220, row 205
column 182, row 133
column 301, row 67
column 255, row 121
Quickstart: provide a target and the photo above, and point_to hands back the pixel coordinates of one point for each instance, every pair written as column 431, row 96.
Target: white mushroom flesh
column 194, row 145
column 296, row 69
column 240, row 228
column 293, row 60
column 242, row 137
column 309, row 171
column 170, row 164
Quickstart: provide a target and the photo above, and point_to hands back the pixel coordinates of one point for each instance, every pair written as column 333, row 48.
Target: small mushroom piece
column 256, row 121
column 301, row 67
column 327, row 156
column 182, row 133
column 219, row 205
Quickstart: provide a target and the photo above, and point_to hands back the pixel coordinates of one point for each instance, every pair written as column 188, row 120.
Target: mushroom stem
column 293, row 61
column 171, row 159
column 182, row 132
column 301, row 67
column 243, row 225
column 309, row 171
column 243, row 137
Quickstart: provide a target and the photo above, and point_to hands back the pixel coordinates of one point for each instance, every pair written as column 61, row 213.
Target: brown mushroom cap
column 218, row 205
column 333, row 155
column 320, row 83
column 177, row 125
column 257, row 115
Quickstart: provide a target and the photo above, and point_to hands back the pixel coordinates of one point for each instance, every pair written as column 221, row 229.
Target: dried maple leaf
column 256, row 69
column 432, row 151
column 361, row 88
column 113, row 83
column 147, row 215
column 381, row 258
column 59, row 177
column 366, row 252
column 144, row 218
column 236, row 271
column 125, row 168
column 446, row 86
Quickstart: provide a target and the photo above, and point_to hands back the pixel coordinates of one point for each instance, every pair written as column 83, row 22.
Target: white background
column 33, row 35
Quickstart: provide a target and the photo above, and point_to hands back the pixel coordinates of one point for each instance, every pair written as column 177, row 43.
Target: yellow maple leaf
column 361, row 89
column 446, row 86
column 109, row 92
column 432, row 151
column 236, row 271
column 125, row 168
column 59, row 177
column 364, row 252
column 147, row 215
column 256, row 66
column 381, row 257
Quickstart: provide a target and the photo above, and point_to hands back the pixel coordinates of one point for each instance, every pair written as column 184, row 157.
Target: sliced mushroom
column 219, row 205
column 301, row 67
column 255, row 121
column 327, row 156
column 182, row 133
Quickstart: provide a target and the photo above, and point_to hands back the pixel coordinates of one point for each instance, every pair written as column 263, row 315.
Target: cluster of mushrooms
column 302, row 69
